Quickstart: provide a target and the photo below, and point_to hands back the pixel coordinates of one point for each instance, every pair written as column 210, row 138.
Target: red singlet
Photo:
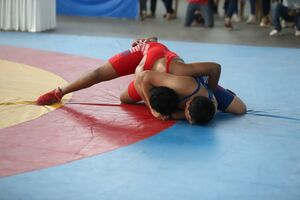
column 126, row 62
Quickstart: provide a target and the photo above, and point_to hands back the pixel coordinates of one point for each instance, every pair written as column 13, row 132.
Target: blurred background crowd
column 276, row 14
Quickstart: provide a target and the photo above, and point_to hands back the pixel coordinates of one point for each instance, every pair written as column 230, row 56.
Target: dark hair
column 202, row 110
column 163, row 100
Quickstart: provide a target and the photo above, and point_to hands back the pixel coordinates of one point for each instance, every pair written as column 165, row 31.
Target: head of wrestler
column 163, row 100
column 200, row 110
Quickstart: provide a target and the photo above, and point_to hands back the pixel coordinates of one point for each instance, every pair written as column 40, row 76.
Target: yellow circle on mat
column 20, row 85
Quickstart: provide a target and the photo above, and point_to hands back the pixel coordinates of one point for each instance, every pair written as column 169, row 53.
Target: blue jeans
column 168, row 5
column 230, row 6
column 206, row 11
column 280, row 11
column 252, row 6
column 143, row 5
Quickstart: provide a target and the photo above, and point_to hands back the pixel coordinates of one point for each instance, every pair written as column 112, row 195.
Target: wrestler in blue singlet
column 224, row 97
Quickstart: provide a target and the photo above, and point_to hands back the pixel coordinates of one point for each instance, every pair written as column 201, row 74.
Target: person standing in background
column 265, row 20
column 144, row 11
column 231, row 8
column 251, row 19
column 289, row 10
column 205, row 7
column 169, row 15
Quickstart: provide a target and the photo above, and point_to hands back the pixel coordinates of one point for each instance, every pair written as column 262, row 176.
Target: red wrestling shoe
column 51, row 97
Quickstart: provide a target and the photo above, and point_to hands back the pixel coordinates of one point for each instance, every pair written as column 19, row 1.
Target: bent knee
column 237, row 107
column 242, row 109
column 125, row 99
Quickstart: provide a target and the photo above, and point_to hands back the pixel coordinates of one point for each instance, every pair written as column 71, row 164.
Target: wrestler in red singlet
column 126, row 62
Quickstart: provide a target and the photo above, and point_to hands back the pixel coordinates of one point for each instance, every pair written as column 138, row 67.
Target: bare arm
column 210, row 69
column 179, row 114
column 149, row 79
column 144, row 91
column 145, row 85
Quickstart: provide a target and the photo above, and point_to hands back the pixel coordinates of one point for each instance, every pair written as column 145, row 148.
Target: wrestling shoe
column 51, row 97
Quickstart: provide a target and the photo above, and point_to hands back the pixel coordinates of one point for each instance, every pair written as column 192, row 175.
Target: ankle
column 227, row 20
column 62, row 91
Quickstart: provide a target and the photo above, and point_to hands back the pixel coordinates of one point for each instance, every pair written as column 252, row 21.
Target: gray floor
column 243, row 34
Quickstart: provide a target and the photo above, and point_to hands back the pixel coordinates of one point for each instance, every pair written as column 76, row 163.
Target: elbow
column 217, row 68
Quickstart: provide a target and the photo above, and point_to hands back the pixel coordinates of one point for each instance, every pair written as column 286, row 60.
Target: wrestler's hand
column 159, row 116
column 143, row 40
column 137, row 41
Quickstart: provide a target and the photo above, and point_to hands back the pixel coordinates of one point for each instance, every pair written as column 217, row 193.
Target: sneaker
column 251, row 19
column 265, row 22
column 170, row 16
column 50, row 98
column 143, row 15
column 297, row 33
column 151, row 15
column 227, row 24
column 235, row 18
column 283, row 23
column 274, row 33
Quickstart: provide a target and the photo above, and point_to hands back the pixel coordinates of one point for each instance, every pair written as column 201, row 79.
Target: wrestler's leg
column 102, row 73
column 229, row 102
column 119, row 65
column 237, row 106
column 130, row 95
column 126, row 99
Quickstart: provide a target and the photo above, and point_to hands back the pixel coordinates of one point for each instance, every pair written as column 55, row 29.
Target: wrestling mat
column 92, row 147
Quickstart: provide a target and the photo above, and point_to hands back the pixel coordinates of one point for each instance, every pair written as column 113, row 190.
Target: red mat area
column 74, row 131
